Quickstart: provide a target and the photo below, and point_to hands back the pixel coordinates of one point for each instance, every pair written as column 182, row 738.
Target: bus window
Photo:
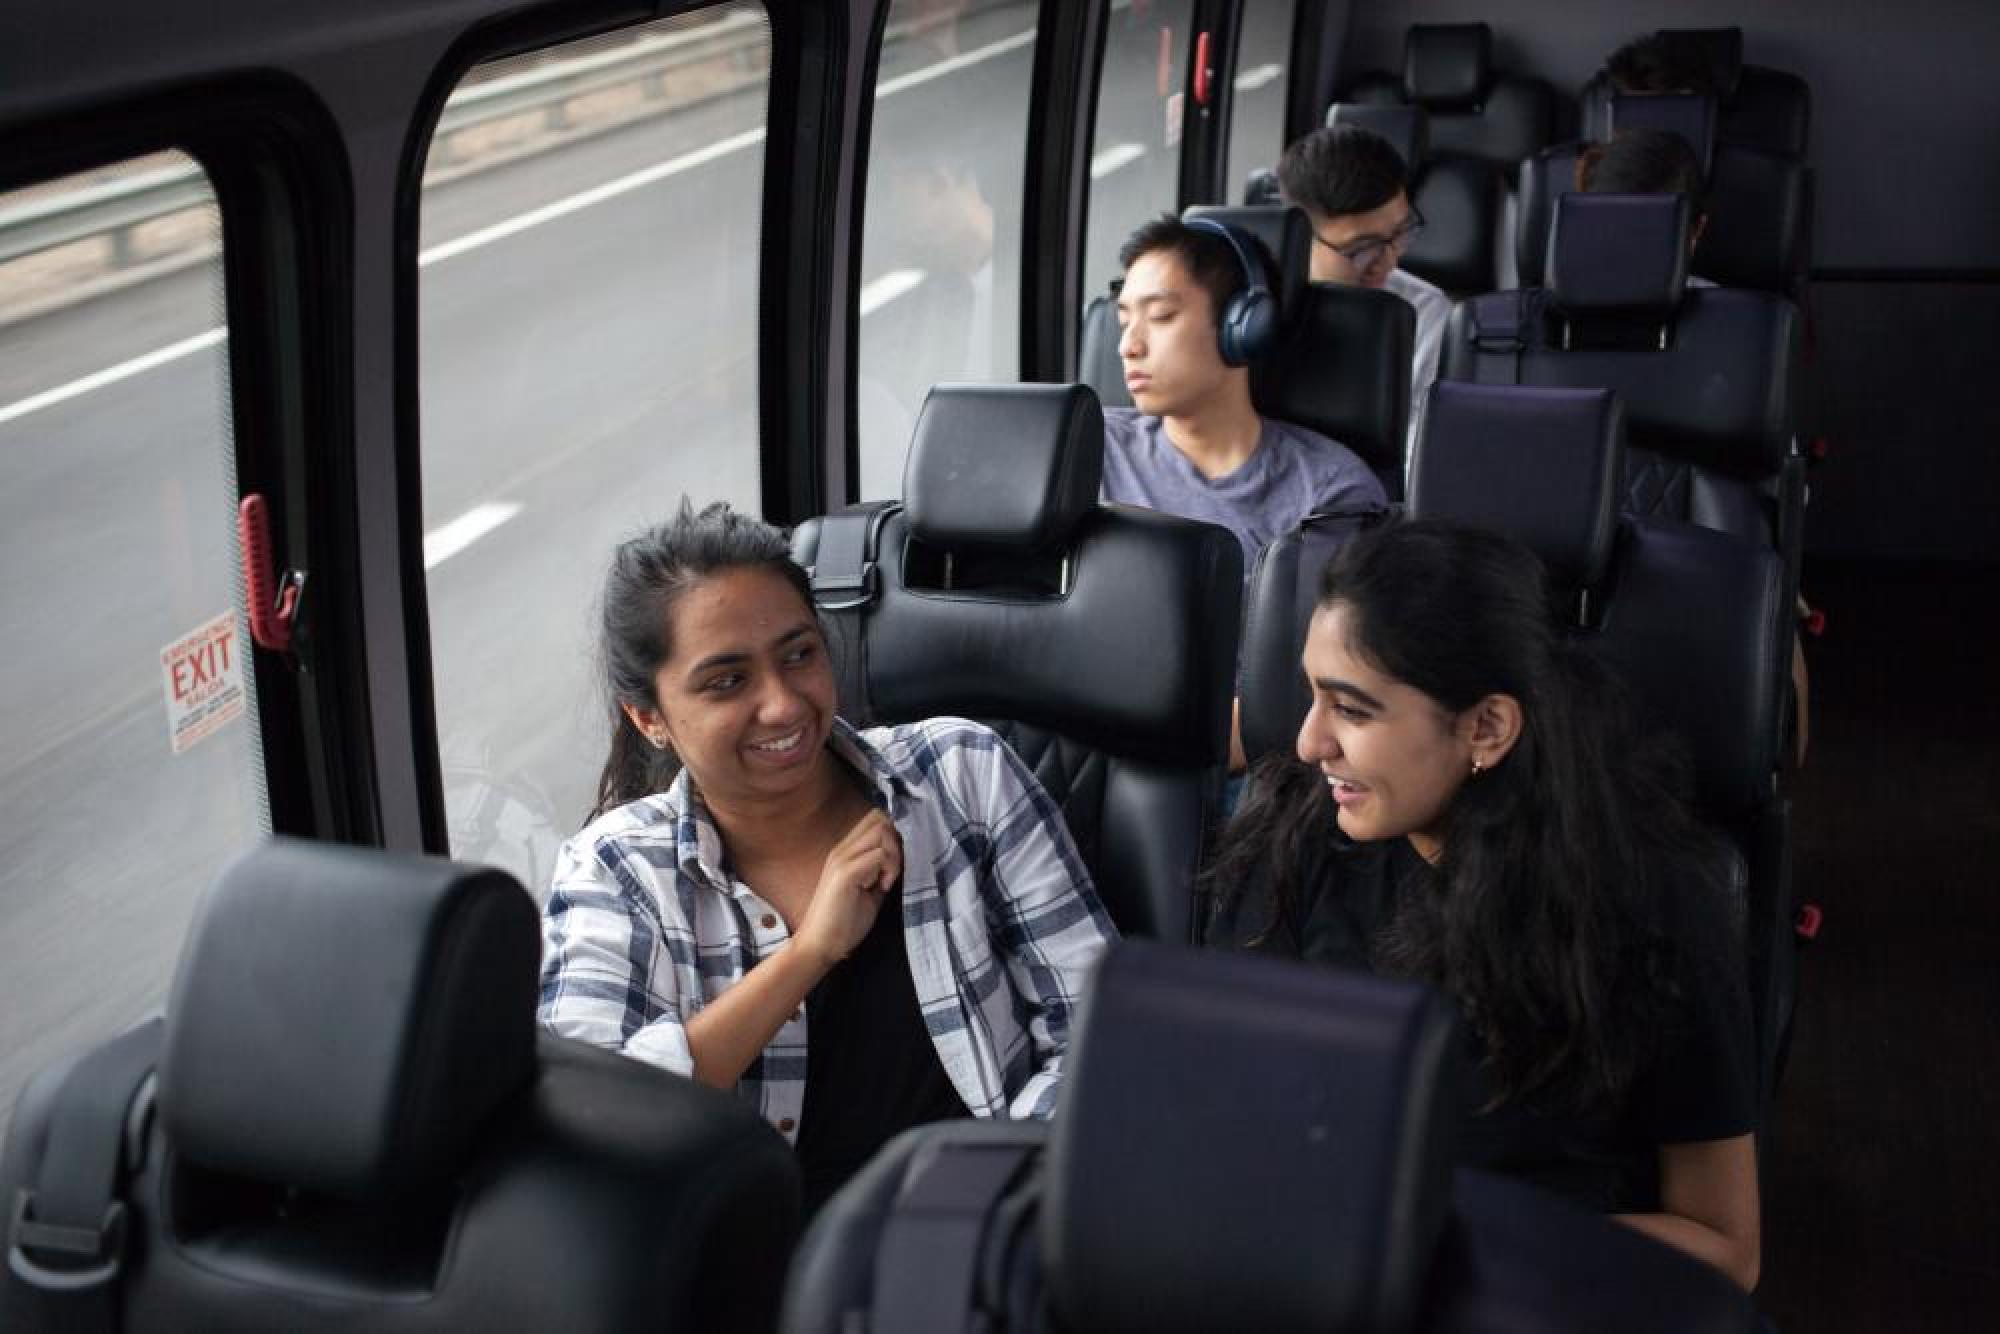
column 939, row 283
column 129, row 762
column 589, row 357
column 1135, row 150
column 1257, row 115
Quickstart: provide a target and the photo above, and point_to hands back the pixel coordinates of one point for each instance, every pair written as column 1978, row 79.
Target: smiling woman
column 757, row 869
column 1500, row 830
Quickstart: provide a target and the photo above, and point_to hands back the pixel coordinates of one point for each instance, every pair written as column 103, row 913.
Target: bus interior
column 340, row 341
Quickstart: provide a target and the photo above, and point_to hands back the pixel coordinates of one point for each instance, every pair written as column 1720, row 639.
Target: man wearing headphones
column 1193, row 311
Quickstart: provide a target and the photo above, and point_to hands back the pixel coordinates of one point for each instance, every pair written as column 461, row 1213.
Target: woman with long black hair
column 757, row 870
column 1474, row 807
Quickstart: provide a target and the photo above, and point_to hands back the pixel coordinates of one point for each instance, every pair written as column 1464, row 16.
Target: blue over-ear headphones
column 1248, row 326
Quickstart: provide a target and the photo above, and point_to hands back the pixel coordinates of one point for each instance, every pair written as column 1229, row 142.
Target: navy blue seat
column 1244, row 1144
column 1758, row 107
column 1707, row 376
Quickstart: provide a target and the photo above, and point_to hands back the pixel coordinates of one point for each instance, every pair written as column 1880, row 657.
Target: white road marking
column 513, row 226
column 1114, row 157
column 1250, row 80
column 887, row 288
column 442, row 543
column 124, row 370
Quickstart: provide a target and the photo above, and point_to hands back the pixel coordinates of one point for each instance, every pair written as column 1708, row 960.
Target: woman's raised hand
column 859, row 871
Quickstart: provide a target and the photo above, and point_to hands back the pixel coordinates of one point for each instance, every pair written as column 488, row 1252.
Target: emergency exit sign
column 202, row 675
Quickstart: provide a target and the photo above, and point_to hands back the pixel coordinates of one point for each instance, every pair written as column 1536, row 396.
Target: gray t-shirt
column 1293, row 472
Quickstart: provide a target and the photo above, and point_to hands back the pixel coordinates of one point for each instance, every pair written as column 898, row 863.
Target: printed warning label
column 203, row 680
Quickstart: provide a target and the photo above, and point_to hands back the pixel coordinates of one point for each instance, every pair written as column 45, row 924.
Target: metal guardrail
column 113, row 207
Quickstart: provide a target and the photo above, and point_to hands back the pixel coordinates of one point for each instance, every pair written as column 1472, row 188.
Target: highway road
column 588, row 326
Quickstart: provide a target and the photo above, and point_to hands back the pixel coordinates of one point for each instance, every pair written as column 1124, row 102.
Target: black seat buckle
column 58, row 1257
column 845, row 592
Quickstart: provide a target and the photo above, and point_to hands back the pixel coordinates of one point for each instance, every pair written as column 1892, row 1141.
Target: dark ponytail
column 648, row 575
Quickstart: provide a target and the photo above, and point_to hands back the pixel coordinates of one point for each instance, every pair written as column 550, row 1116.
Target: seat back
column 1759, row 207
column 1476, row 110
column 1246, row 1144
column 1695, row 623
column 356, row 1126
column 1340, row 1095
column 1706, row 375
column 1099, row 640
column 1761, row 108
column 1463, row 200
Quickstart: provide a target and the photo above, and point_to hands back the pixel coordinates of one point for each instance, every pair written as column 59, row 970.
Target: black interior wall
column 1905, row 376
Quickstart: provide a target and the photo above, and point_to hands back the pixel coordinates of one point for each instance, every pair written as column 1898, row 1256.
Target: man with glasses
column 1353, row 185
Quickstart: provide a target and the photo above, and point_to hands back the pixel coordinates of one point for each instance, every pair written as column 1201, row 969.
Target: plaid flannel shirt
column 645, row 924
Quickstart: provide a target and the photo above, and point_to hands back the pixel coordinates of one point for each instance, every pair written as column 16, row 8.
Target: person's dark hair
column 1660, row 63
column 1544, row 915
column 648, row 575
column 1207, row 257
column 1342, row 169
column 1642, row 162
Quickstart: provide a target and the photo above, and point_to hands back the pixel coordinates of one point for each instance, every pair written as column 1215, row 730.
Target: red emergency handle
column 272, row 602
column 1202, row 73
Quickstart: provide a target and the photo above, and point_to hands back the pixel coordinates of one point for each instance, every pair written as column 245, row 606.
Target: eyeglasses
column 1364, row 253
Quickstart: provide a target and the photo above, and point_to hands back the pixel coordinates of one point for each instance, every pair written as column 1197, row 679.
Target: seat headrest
column 1343, row 369
column 1690, row 115
column 345, row 1020
column 1004, row 466
column 1544, row 466
column 1720, row 49
column 1618, row 254
column 986, row 640
column 1406, row 127
column 1216, row 1103
column 1285, row 236
column 1447, row 65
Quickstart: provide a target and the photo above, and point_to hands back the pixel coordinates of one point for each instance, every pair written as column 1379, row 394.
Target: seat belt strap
column 845, row 584
column 66, row 1235
column 928, row 1265
column 1500, row 328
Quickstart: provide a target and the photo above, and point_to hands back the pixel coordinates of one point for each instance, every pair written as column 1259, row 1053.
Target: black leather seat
column 1465, row 201
column 1342, row 364
column 1245, row 1144
column 1760, row 108
column 1759, row 203
column 1099, row 640
column 1475, row 110
column 1706, row 375
column 357, row 1126
column 1695, row 623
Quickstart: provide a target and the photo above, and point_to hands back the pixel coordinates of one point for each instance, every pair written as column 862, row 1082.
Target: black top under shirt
column 871, row 1068
column 1700, row 1084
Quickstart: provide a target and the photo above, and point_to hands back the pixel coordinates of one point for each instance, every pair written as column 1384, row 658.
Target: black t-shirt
column 871, row 1068
column 1699, row 1084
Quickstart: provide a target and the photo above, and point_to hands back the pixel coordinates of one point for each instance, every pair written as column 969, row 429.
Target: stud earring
column 1477, row 768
